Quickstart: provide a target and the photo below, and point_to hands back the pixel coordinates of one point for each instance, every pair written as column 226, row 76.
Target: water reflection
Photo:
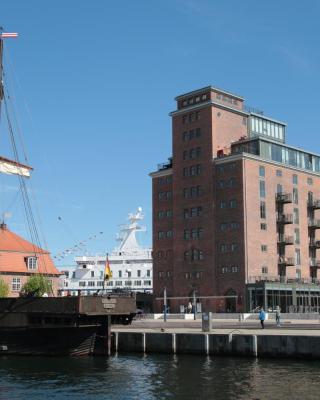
column 157, row 377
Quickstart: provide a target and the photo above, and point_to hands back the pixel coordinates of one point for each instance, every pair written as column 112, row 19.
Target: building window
column 169, row 274
column 279, row 188
column 231, row 183
column 295, row 196
column 278, row 172
column 160, row 274
column 118, row 283
column 263, row 209
column 295, row 215
column 82, row 283
column 223, row 226
column 264, row 270
column 262, row 189
column 264, row 248
column 147, row 283
column 186, row 256
column 223, row 204
column 169, row 234
column 91, row 283
column 138, row 273
column 92, row 274
column 196, row 255
column 16, row 284
column 221, row 184
column 223, row 248
column 161, row 235
column 233, row 203
column 32, row 263
column 297, row 257
column 234, row 247
column 263, row 226
column 186, row 234
column 120, row 274
column 148, row 273
column 262, row 171
column 310, row 181
column 295, row 179
column 297, row 236
column 234, row 226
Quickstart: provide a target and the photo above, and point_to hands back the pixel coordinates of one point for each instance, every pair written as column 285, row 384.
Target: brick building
column 19, row 259
column 235, row 210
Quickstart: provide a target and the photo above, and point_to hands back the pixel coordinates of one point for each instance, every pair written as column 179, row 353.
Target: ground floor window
column 16, row 284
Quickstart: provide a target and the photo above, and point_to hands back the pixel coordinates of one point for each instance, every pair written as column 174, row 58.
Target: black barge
column 63, row 325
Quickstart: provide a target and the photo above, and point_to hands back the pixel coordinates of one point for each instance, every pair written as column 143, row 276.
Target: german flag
column 107, row 270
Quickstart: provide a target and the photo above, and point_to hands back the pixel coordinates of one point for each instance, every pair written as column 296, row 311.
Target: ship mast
column 7, row 166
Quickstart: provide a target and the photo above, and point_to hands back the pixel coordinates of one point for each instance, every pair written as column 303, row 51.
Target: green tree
column 4, row 288
column 36, row 285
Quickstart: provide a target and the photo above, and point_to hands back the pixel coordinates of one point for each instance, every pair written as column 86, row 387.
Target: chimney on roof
column 3, row 226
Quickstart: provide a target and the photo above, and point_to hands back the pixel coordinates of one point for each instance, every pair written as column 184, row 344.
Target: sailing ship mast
column 8, row 166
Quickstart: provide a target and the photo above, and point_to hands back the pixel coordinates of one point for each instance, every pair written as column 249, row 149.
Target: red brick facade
column 210, row 235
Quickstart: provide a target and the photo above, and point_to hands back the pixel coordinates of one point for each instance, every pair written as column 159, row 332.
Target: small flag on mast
column 4, row 35
column 107, row 270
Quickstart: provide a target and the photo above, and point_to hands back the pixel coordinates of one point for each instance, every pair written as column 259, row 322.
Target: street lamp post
column 194, row 305
column 165, row 304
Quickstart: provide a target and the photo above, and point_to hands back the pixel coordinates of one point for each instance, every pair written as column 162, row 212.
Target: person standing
column 278, row 314
column 262, row 317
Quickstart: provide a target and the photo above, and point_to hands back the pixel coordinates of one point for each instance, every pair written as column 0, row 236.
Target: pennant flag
column 8, row 35
column 14, row 168
column 107, row 270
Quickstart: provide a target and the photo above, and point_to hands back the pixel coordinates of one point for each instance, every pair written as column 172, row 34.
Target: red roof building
column 19, row 259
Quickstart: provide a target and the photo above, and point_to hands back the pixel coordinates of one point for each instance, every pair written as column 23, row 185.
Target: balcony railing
column 285, row 219
column 314, row 204
column 314, row 243
column 284, row 198
column 287, row 261
column 285, row 240
column 282, row 279
column 314, row 263
column 314, row 223
column 166, row 165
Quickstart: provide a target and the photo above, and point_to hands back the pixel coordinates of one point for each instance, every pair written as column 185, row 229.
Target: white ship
column 130, row 264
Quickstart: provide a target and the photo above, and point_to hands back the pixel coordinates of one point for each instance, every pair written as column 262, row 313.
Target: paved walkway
column 296, row 327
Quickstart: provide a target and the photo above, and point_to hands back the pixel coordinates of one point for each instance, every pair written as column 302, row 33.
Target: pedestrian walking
column 278, row 314
column 262, row 317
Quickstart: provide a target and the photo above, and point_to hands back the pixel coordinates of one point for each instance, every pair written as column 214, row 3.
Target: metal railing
column 282, row 279
column 284, row 197
column 285, row 219
column 314, row 263
column 315, row 204
column 314, row 223
column 314, row 243
column 282, row 239
column 286, row 260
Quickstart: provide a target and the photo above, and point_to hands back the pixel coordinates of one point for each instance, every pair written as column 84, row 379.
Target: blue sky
column 95, row 82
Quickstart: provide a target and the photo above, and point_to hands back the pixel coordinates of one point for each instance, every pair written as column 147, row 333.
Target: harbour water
column 157, row 377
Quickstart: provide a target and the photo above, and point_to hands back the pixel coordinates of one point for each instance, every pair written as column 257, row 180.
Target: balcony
column 314, row 223
column 286, row 261
column 284, row 198
column 166, row 165
column 315, row 244
column 285, row 240
column 314, row 204
column 285, row 219
column 314, row 263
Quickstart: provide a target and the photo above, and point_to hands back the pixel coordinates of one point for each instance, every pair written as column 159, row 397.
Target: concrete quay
column 227, row 338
